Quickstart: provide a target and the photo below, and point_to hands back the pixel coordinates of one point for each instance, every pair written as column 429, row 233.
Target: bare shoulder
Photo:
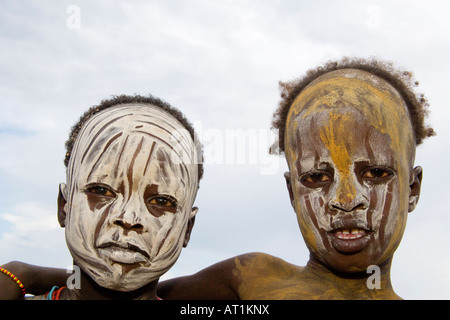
column 267, row 264
column 263, row 276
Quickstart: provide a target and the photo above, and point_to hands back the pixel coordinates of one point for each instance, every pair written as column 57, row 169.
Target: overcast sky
column 220, row 63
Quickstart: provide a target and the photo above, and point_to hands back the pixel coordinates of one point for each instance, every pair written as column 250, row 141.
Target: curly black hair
column 401, row 80
column 126, row 99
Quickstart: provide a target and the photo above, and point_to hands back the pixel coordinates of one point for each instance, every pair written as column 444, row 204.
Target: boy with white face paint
column 127, row 204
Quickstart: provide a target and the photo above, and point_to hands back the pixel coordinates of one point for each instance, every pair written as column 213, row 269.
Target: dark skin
column 36, row 279
column 368, row 181
column 357, row 173
column 351, row 184
column 353, row 168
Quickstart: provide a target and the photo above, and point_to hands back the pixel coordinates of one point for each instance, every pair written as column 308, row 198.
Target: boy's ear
column 191, row 222
column 287, row 176
column 62, row 196
column 415, row 183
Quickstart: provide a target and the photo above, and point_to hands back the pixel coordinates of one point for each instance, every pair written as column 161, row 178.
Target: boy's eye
column 377, row 174
column 101, row 191
column 316, row 179
column 163, row 202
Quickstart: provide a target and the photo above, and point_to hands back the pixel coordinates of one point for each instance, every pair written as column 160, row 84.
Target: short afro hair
column 126, row 99
column 401, row 80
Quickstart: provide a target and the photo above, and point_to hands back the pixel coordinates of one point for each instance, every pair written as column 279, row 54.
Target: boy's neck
column 90, row 290
column 354, row 285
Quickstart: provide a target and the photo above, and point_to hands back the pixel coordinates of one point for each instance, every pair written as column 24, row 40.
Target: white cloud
column 33, row 235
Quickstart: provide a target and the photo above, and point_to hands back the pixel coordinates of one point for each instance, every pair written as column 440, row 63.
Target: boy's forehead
column 350, row 88
column 129, row 117
column 123, row 120
column 357, row 92
column 141, row 130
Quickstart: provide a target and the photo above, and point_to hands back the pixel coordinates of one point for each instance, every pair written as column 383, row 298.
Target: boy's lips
column 123, row 252
column 349, row 240
column 349, row 233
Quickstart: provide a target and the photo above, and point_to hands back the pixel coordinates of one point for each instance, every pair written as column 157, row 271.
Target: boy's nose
column 348, row 206
column 136, row 227
column 349, row 197
column 129, row 220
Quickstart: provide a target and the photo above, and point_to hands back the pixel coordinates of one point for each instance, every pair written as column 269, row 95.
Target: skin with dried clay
column 350, row 149
column 127, row 206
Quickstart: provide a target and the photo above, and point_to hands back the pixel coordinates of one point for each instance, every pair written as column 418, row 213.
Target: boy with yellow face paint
column 349, row 131
column 351, row 180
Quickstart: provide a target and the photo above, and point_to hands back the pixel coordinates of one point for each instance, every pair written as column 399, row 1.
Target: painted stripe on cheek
column 312, row 215
column 385, row 216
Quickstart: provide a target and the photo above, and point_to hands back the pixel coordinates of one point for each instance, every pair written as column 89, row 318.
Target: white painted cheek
column 317, row 201
column 323, row 219
column 157, row 236
column 377, row 213
column 386, row 223
column 393, row 214
column 381, row 192
column 312, row 213
column 80, row 232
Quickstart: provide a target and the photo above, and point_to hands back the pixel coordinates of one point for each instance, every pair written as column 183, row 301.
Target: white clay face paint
column 137, row 153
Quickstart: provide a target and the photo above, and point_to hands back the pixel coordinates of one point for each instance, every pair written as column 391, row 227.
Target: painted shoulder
column 265, row 264
column 263, row 276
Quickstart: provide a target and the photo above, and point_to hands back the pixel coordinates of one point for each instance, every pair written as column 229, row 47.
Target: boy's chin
column 125, row 282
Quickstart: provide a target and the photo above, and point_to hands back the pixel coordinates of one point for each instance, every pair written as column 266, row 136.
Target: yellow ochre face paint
column 350, row 149
column 333, row 136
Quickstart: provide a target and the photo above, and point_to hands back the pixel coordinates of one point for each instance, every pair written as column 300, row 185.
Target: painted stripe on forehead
column 149, row 157
column 104, row 129
column 116, row 171
column 380, row 103
column 130, row 168
column 166, row 142
column 104, row 150
column 98, row 133
column 118, row 135
column 169, row 124
column 171, row 133
column 109, row 144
